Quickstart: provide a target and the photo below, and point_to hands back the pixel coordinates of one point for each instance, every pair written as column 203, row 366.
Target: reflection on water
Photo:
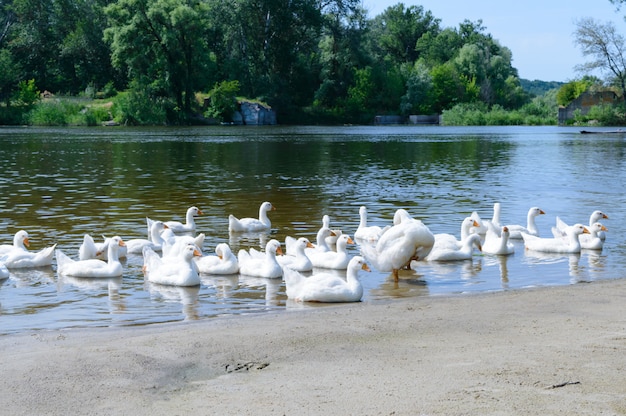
column 60, row 184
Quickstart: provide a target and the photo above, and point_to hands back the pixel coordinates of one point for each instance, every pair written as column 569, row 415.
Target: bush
column 109, row 90
column 604, row 114
column 465, row 114
column 50, row 113
column 138, row 107
column 477, row 114
column 222, row 101
column 27, row 93
column 63, row 112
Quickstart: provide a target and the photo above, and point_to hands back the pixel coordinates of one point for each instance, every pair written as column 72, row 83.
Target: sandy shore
column 559, row 350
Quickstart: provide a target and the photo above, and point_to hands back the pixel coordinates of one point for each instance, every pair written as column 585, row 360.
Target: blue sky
column 538, row 32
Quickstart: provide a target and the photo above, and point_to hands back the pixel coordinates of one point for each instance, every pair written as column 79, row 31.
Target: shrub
column 604, row 114
column 138, row 107
column 27, row 93
column 222, row 101
column 49, row 113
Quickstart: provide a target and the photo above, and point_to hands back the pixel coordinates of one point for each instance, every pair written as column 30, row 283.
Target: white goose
column 399, row 245
column 557, row 245
column 155, row 242
column 262, row 267
column 592, row 241
column 365, row 232
column 20, row 242
column 337, row 260
column 89, row 249
column 449, row 241
column 454, row 253
column 173, row 244
column 332, row 240
column 244, row 225
column 190, row 222
column 224, row 262
column 498, row 244
column 401, row 215
column 93, row 268
column 596, row 216
column 483, row 225
column 320, row 245
column 326, row 287
column 516, row 230
column 18, row 259
column 299, row 261
column 172, row 271
column 4, row 271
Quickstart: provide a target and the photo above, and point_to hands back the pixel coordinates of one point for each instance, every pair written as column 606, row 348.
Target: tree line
column 324, row 60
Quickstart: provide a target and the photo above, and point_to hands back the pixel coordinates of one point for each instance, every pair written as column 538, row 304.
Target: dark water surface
column 59, row 184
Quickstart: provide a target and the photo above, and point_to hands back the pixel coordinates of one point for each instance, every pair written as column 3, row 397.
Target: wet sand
column 556, row 350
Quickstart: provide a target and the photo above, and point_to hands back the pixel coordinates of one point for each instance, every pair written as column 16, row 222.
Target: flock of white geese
column 172, row 252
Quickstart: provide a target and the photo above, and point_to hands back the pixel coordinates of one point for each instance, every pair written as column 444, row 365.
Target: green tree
column 571, row 90
column 27, row 93
column 59, row 43
column 436, row 48
column 223, row 100
column 9, row 76
column 340, row 52
column 418, row 97
column 84, row 57
column 398, row 29
column 484, row 61
column 162, row 45
column 267, row 45
column 448, row 87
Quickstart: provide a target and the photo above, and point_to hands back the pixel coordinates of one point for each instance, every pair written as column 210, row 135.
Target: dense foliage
column 310, row 60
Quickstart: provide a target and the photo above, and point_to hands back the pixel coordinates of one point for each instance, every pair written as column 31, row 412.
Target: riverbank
column 540, row 351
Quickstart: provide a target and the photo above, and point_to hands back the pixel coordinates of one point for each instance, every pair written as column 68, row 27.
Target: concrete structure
column 254, row 114
column 412, row 119
column 584, row 103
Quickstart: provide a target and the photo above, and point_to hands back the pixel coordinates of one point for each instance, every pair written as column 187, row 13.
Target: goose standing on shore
column 399, row 245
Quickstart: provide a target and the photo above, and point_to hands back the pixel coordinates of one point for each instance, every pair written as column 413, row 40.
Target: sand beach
column 544, row 351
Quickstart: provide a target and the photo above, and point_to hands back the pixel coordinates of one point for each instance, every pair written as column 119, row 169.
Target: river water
column 61, row 183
